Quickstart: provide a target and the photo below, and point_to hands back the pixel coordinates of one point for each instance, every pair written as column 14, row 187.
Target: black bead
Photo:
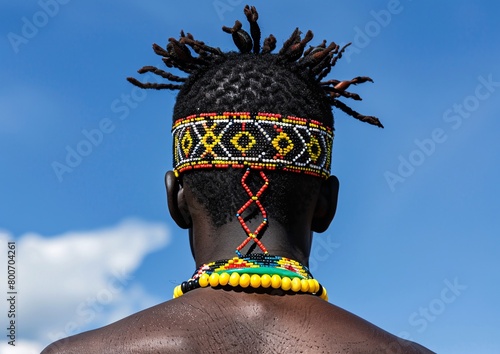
column 184, row 287
column 320, row 291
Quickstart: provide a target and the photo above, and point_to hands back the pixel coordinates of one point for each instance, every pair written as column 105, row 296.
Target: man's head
column 288, row 83
column 252, row 83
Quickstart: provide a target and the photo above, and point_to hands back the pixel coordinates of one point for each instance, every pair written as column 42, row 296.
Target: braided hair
column 290, row 82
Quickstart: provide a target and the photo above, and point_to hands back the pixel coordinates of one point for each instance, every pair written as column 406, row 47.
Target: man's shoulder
column 349, row 333
column 218, row 321
column 148, row 331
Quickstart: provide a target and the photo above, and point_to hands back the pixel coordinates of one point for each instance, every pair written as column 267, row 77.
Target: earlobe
column 176, row 201
column 326, row 205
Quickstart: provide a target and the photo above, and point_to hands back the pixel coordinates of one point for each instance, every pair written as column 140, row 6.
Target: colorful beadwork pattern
column 256, row 271
column 257, row 140
column 254, row 198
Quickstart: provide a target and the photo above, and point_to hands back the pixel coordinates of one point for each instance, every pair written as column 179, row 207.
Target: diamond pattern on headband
column 260, row 140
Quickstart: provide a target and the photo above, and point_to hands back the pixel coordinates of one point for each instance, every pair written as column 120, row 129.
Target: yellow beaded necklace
column 255, row 271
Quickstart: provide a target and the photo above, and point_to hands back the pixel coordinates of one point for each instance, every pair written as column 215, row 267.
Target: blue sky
column 414, row 246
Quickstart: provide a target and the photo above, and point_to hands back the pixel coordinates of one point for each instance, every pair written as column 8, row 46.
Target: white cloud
column 79, row 280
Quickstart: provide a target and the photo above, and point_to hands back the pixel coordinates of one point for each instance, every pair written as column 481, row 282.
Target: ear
column 177, row 202
column 326, row 205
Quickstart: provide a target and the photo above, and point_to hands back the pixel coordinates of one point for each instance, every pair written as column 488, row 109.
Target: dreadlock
column 290, row 82
column 315, row 62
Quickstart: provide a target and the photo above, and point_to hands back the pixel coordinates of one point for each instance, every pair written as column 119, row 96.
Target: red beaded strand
column 253, row 199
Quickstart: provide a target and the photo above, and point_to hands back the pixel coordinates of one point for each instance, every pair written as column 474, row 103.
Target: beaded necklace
column 255, row 271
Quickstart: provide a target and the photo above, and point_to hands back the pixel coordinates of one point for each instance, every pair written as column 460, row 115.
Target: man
column 253, row 133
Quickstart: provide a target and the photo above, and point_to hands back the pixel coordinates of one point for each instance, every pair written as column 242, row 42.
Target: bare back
column 218, row 321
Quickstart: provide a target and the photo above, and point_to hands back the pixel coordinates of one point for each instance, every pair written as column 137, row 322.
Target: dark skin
column 210, row 320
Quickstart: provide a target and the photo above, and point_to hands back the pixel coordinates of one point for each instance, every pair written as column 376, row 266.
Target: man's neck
column 210, row 244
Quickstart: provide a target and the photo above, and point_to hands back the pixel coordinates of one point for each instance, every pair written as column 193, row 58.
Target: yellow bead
column 234, row 279
column 276, row 281
column 265, row 280
column 318, row 286
column 324, row 295
column 312, row 286
column 214, row 279
column 223, row 278
column 315, row 286
column 286, row 283
column 304, row 285
column 244, row 280
column 177, row 291
column 255, row 281
column 296, row 284
column 204, row 280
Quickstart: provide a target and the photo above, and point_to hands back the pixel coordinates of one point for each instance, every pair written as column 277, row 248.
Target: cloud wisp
column 80, row 280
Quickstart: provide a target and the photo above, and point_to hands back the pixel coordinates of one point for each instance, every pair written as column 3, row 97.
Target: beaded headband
column 257, row 140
